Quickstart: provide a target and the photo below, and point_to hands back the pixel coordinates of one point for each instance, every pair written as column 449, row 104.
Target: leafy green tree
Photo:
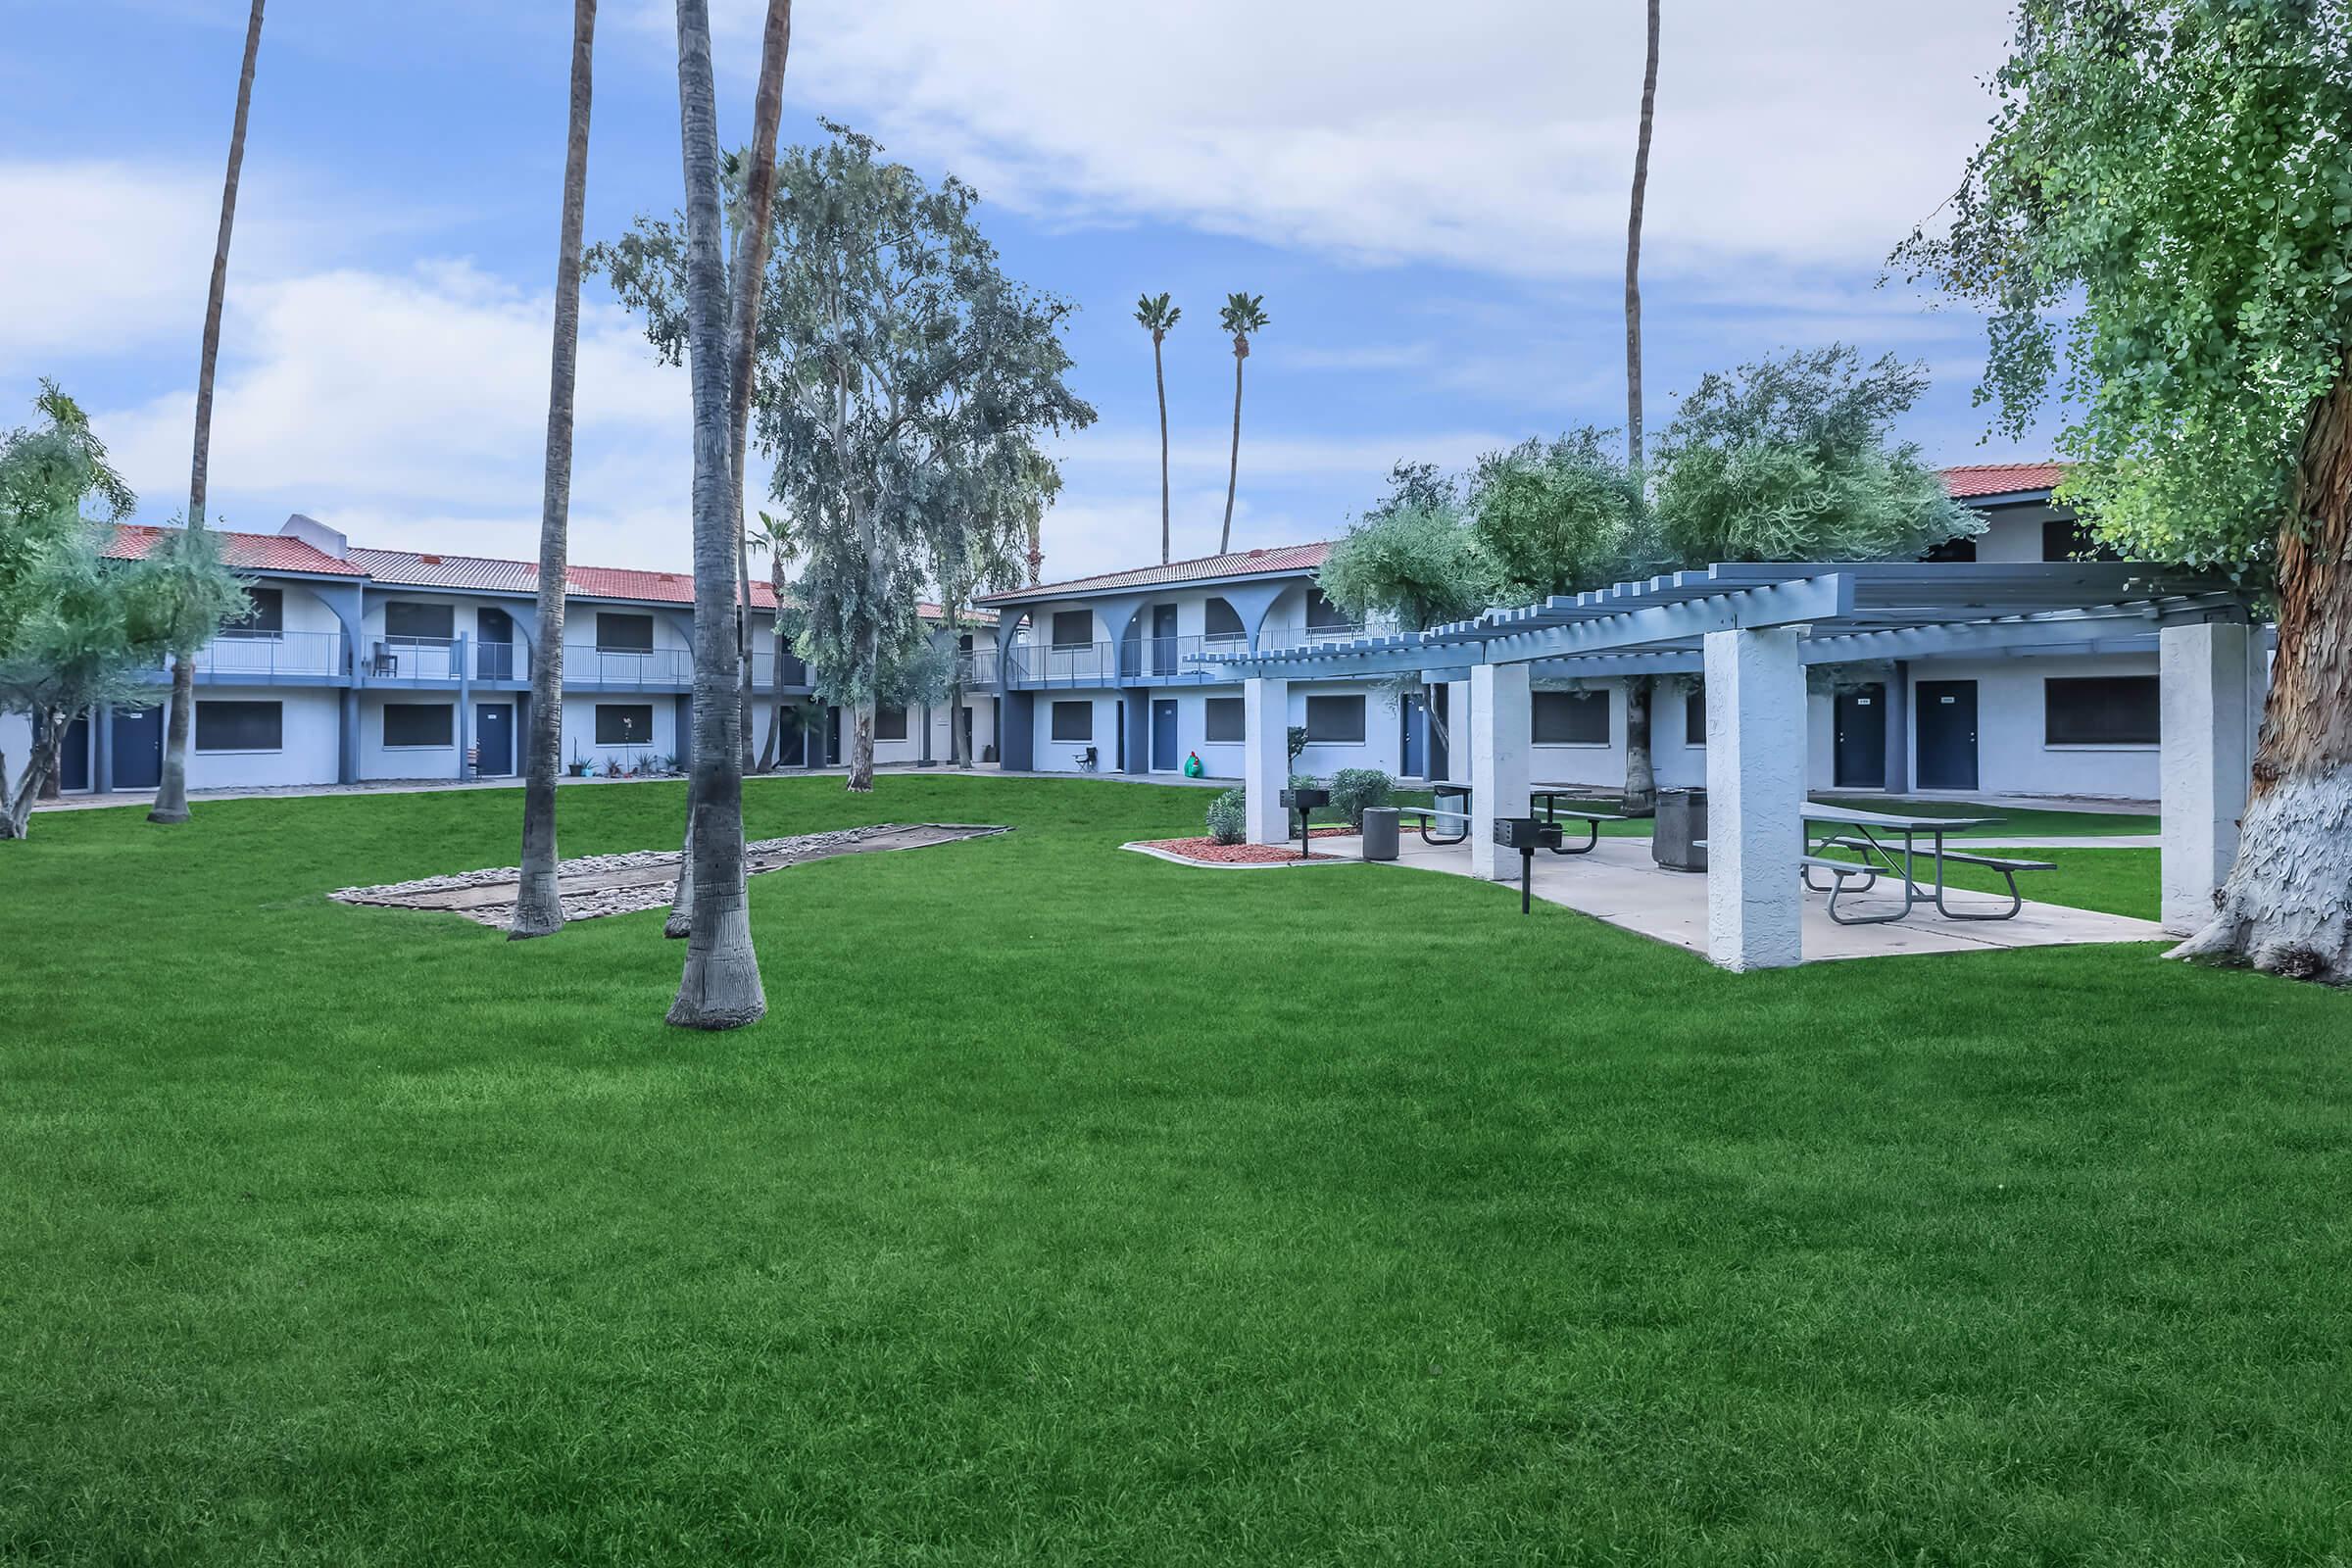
column 2160, row 224
column 1794, row 458
column 1413, row 562
column 172, row 795
column 720, row 988
column 1242, row 314
column 538, row 907
column 1158, row 316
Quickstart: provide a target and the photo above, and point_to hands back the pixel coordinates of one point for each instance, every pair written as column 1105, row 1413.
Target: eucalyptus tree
column 1158, row 315
column 2161, row 220
column 720, row 988
column 770, row 537
column 171, row 794
column 1242, row 315
column 538, row 907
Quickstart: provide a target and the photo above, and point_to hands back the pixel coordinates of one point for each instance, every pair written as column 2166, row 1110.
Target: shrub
column 1296, row 735
column 1229, row 817
column 1355, row 788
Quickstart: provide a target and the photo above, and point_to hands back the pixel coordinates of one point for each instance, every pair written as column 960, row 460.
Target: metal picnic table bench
column 1868, row 835
column 1426, row 818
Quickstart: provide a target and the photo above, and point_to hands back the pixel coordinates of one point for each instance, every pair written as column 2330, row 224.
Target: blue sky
column 1431, row 203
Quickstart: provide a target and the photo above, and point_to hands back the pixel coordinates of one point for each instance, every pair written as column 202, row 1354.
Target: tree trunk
column 1160, row 380
column 720, row 988
column 16, row 810
column 1233, row 470
column 172, row 793
column 960, row 754
column 2287, row 906
column 681, row 901
column 538, row 905
column 742, row 324
column 1632, row 254
column 861, row 748
column 1640, row 782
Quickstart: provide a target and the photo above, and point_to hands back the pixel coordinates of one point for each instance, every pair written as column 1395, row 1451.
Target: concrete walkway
column 1620, row 883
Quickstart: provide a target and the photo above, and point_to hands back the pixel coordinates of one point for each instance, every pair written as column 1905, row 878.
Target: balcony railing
column 590, row 666
column 267, row 656
column 1159, row 661
column 763, row 670
column 501, row 662
column 977, row 670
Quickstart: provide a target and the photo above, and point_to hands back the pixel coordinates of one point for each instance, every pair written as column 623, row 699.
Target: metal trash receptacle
column 1680, row 826
column 1379, row 832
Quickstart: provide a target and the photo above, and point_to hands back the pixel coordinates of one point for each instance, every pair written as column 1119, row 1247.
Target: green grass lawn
column 1075, row 1207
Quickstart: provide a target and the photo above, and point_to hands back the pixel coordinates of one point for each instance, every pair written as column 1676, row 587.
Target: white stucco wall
column 579, row 728
column 310, row 721
column 2011, row 757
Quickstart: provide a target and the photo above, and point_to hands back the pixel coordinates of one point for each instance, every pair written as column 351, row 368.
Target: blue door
column 138, row 748
column 74, row 762
column 1414, row 749
column 1943, row 715
column 1163, row 737
column 1163, row 641
column 493, row 739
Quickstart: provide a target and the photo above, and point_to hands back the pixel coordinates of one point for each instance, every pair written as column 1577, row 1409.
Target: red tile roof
column 1205, row 569
column 248, row 552
column 2001, row 478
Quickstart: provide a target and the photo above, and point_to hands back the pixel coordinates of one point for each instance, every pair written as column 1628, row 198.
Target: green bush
column 1229, row 817
column 1355, row 788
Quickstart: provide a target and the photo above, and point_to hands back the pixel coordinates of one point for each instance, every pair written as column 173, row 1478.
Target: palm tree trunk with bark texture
column 1640, row 777
column 2287, row 908
column 720, row 988
column 171, row 791
column 538, row 907
column 1233, row 470
column 1160, row 380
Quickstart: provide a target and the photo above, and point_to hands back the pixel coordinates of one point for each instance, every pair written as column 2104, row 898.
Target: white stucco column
column 1755, row 795
column 1457, row 732
column 2206, row 692
column 1266, row 756
column 1499, row 723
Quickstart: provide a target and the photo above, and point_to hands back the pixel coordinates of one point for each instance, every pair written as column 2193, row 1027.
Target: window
column 1335, row 721
column 1073, row 722
column 1571, row 718
column 418, row 723
column 2100, row 711
column 1321, row 613
column 2066, row 539
column 1963, row 548
column 267, row 618
column 1224, row 622
column 1227, row 721
column 624, row 723
column 1694, row 716
column 240, row 726
column 438, row 622
column 1073, row 628
column 889, row 723
column 627, row 634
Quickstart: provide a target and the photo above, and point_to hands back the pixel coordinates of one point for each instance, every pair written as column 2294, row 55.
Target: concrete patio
column 1618, row 882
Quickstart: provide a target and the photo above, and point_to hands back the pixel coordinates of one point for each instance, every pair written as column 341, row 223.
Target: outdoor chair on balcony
column 383, row 661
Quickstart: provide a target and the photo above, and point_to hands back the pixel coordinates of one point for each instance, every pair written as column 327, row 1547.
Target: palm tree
column 172, row 793
column 751, row 265
column 720, row 988
column 538, row 907
column 1640, row 778
column 1241, row 318
column 1158, row 316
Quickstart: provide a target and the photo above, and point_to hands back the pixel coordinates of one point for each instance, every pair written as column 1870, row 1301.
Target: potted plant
column 578, row 766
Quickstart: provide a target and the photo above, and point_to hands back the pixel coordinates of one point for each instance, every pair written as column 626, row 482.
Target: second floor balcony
column 1150, row 661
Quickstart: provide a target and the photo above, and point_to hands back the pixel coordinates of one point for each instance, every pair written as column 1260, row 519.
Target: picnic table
column 1426, row 818
column 1870, row 835
column 1554, row 813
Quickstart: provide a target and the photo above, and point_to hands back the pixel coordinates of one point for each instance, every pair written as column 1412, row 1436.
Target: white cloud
column 1497, row 137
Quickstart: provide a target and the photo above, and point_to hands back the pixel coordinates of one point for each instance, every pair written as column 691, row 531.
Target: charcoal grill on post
column 1304, row 799
column 1526, row 834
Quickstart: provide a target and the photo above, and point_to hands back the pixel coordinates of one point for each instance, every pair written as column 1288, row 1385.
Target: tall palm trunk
column 2287, row 906
column 1160, row 380
column 720, row 988
column 172, row 792
column 1640, row 776
column 539, row 908
column 743, row 323
column 1233, row 470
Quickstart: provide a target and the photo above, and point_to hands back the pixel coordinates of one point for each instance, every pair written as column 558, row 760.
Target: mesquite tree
column 2161, row 220
column 1412, row 560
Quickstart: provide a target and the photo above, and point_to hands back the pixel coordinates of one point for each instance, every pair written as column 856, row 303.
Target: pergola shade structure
column 1752, row 631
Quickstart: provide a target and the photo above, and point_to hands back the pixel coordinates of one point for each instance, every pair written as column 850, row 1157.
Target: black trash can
column 1680, row 826
column 1379, row 832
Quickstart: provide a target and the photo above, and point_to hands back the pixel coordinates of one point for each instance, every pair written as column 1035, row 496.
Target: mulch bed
column 1208, row 852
